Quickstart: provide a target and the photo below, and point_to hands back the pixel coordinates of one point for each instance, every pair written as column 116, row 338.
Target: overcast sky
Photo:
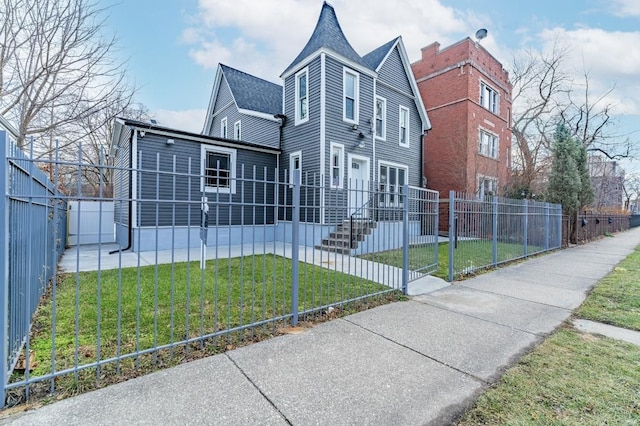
column 174, row 46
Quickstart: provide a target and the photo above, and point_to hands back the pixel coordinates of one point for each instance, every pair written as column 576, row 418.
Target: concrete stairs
column 347, row 236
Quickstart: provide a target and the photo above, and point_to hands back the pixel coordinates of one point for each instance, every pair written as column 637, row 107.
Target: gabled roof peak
column 327, row 34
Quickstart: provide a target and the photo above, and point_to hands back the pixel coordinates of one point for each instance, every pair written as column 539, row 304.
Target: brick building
column 467, row 94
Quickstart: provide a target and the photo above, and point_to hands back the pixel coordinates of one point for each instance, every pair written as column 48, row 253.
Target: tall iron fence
column 487, row 232
column 197, row 268
column 32, row 236
column 592, row 225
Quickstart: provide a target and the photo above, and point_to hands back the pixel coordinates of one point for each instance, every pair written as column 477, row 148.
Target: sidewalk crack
column 258, row 389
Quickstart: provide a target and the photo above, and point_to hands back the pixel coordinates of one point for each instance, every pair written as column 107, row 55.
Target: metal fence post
column 452, row 231
column 547, row 230
column 525, row 231
column 405, row 240
column 436, row 226
column 4, row 265
column 295, row 244
column 494, row 243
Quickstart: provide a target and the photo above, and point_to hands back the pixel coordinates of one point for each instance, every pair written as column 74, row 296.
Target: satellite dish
column 481, row 33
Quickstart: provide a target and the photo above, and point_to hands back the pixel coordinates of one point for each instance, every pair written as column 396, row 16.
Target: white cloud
column 189, row 120
column 263, row 37
column 608, row 59
column 626, row 7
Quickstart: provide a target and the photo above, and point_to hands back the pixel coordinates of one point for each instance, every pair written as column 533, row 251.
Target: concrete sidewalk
column 422, row 361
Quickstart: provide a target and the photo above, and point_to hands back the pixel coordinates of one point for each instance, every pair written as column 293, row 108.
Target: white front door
column 358, row 184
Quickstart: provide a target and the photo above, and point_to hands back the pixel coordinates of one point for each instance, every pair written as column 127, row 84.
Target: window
column 487, row 186
column 488, row 144
column 218, row 169
column 392, row 180
column 404, row 126
column 223, row 128
column 350, row 89
column 295, row 163
column 488, row 98
column 302, row 96
column 237, row 130
column 337, row 165
column 381, row 117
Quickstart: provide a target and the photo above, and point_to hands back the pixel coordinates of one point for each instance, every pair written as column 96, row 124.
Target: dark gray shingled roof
column 375, row 57
column 328, row 34
column 253, row 93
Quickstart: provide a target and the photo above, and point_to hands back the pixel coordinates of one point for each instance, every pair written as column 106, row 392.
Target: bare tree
column 631, row 188
column 57, row 67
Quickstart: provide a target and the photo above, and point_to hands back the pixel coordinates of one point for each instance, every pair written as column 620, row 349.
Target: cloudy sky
column 174, row 46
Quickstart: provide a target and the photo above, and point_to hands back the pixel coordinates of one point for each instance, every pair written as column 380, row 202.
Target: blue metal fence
column 33, row 233
column 493, row 230
column 272, row 253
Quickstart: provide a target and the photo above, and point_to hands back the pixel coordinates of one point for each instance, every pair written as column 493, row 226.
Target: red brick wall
column 449, row 83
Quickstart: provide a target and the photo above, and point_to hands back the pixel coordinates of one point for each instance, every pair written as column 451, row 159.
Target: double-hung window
column 404, row 126
column 237, row 130
column 488, row 144
column 218, row 169
column 489, row 98
column 351, row 81
column 487, row 186
column 302, row 96
column 223, row 128
column 393, row 177
column 337, row 165
column 381, row 117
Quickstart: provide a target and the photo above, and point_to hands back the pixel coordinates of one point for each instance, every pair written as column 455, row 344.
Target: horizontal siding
column 158, row 186
column 392, row 72
column 121, row 178
column 255, row 130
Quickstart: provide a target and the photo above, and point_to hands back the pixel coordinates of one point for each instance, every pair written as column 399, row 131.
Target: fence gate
column 90, row 222
column 421, row 252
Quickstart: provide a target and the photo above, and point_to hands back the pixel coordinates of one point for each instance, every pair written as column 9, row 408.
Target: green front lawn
column 111, row 313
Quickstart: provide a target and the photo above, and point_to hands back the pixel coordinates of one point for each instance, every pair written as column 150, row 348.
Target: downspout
column 283, row 120
column 422, row 157
column 130, row 230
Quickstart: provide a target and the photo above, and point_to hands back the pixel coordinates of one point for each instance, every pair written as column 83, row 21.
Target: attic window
column 302, row 96
column 237, row 130
column 223, row 128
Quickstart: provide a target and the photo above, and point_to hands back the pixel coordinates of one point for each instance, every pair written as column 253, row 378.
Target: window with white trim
column 351, row 87
column 393, row 177
column 487, row 186
column 489, row 98
column 381, row 117
column 223, row 128
column 302, row 96
column 404, row 126
column 488, row 144
column 295, row 163
column 218, row 169
column 337, row 165
column 237, row 130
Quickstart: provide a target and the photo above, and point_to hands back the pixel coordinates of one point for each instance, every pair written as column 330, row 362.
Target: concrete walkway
column 422, row 361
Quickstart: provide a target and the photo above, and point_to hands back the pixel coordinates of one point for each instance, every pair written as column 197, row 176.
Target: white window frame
column 223, row 128
column 237, row 130
column 482, row 187
column 231, row 189
column 292, row 158
column 407, row 126
column 398, row 199
column 338, row 149
column 298, row 115
column 489, row 98
column 356, row 101
column 488, row 143
column 383, row 134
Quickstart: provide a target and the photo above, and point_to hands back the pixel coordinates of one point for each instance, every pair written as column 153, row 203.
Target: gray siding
column 392, row 72
column 390, row 149
column 121, row 180
column 173, row 199
column 254, row 129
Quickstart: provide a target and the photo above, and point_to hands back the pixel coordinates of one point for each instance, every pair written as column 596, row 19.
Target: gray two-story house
column 351, row 124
